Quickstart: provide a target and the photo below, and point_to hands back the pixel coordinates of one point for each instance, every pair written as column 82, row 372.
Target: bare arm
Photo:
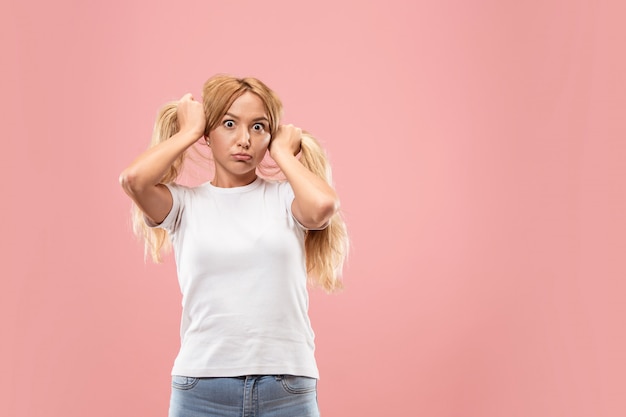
column 315, row 200
column 141, row 179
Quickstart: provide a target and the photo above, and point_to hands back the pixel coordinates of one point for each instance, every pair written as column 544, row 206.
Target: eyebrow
column 254, row 120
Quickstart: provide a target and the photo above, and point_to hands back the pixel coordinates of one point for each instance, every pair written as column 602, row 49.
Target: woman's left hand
column 286, row 140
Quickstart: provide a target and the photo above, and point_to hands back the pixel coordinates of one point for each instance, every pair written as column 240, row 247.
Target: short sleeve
column 173, row 218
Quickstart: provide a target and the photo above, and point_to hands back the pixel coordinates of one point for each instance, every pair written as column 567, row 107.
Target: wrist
column 189, row 135
column 279, row 154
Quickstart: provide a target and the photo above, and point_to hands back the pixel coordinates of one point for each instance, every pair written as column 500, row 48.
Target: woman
column 244, row 246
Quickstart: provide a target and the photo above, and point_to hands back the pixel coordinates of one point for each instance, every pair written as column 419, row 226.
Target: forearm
column 149, row 168
column 315, row 200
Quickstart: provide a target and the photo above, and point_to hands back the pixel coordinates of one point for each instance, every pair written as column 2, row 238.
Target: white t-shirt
column 242, row 272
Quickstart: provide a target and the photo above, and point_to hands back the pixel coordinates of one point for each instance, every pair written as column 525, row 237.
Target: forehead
column 248, row 105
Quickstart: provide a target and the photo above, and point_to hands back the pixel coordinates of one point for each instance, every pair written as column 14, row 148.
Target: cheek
column 218, row 137
column 263, row 145
column 263, row 140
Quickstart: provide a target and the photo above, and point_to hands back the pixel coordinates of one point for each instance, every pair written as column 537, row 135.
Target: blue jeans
column 246, row 396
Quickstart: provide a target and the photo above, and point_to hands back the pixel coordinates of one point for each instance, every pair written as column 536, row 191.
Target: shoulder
column 184, row 196
column 276, row 188
column 186, row 190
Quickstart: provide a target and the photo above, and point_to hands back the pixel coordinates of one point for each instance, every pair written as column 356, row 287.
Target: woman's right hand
column 141, row 180
column 190, row 114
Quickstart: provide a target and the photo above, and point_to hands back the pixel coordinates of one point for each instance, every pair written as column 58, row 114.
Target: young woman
column 245, row 247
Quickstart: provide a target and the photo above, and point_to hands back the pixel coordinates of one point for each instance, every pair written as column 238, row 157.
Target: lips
column 242, row 157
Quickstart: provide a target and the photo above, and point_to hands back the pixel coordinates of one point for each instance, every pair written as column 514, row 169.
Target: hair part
column 326, row 250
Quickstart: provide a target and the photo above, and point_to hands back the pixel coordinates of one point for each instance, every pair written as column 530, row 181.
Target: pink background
column 479, row 149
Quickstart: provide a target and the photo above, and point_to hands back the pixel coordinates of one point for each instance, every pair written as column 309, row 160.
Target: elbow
column 129, row 182
column 329, row 207
column 325, row 210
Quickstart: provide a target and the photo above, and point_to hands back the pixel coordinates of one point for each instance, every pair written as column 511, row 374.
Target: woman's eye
column 259, row 127
column 229, row 123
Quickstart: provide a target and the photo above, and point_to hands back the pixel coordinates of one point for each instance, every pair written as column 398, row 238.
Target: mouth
column 242, row 157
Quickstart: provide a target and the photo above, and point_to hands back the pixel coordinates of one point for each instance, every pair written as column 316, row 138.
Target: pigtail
column 327, row 249
column 156, row 239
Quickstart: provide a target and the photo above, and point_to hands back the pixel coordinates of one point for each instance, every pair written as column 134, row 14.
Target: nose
column 243, row 139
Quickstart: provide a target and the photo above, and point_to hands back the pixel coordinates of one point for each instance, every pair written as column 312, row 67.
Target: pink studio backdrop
column 479, row 149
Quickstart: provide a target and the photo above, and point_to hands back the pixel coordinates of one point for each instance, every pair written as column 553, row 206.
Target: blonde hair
column 325, row 249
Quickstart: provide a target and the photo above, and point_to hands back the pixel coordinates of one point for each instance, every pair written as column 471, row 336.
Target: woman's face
column 240, row 141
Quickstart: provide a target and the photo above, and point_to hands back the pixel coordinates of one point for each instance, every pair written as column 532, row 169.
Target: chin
column 244, row 172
